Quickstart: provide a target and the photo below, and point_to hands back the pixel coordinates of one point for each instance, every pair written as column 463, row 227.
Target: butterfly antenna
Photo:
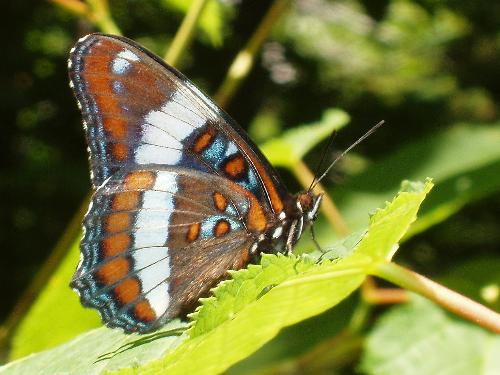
column 323, row 157
column 360, row 139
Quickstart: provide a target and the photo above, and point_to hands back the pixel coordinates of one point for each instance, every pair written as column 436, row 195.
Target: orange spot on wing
column 115, row 244
column 221, row 228
column 204, row 140
column 116, row 127
column 127, row 291
column 119, row 151
column 114, row 270
column 235, row 167
column 139, row 180
column 193, row 232
column 106, row 104
column 126, row 200
column 220, row 201
column 256, row 219
column 117, row 222
column 144, row 312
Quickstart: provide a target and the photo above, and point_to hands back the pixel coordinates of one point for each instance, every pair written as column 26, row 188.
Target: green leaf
column 56, row 316
column 389, row 225
column 246, row 286
column 300, row 296
column 295, row 341
column 306, row 294
column 97, row 351
column 292, row 145
column 262, row 299
column 420, row 338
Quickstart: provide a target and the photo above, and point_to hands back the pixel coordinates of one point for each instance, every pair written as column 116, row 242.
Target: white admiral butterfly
column 182, row 195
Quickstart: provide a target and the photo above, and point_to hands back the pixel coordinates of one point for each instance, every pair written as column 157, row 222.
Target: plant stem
column 243, row 62
column 74, row 6
column 359, row 317
column 96, row 11
column 382, row 296
column 450, row 300
column 305, row 176
column 185, row 32
column 101, row 16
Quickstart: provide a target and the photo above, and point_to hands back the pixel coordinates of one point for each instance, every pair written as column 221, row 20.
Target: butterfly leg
column 296, row 264
column 289, row 240
column 313, row 238
column 318, row 246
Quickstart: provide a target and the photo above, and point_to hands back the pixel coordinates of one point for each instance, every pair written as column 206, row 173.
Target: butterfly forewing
column 137, row 110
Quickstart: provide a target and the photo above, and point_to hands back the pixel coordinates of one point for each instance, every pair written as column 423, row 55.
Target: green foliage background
column 430, row 69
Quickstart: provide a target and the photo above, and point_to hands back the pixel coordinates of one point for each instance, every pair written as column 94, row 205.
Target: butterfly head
column 301, row 211
column 308, row 205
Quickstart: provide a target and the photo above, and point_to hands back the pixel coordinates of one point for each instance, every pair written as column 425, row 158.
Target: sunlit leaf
column 56, row 316
column 97, row 351
column 292, row 145
column 388, row 225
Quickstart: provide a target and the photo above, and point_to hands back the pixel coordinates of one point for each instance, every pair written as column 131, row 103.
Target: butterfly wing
column 181, row 193
column 138, row 111
column 155, row 240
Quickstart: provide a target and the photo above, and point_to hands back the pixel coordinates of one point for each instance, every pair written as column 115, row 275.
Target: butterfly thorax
column 299, row 211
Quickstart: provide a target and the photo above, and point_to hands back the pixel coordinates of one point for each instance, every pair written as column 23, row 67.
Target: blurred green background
column 430, row 69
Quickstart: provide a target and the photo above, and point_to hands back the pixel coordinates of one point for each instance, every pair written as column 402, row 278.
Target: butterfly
column 181, row 194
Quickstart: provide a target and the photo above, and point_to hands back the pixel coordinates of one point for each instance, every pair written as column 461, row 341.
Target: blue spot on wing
column 207, row 225
column 118, row 87
column 214, row 154
column 251, row 183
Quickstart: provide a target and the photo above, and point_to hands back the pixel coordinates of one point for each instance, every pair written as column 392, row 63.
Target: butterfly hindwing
column 157, row 240
column 138, row 111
